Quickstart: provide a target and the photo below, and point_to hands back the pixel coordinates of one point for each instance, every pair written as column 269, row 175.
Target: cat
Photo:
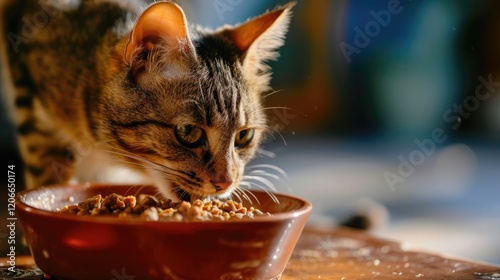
column 98, row 86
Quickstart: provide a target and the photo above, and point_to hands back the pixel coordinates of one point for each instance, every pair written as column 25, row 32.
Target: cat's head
column 185, row 108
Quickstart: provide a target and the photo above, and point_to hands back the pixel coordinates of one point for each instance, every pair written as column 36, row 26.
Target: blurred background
column 389, row 102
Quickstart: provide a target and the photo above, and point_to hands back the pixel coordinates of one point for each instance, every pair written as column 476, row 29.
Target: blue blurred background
column 390, row 101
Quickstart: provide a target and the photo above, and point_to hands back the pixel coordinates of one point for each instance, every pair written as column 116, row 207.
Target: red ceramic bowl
column 82, row 247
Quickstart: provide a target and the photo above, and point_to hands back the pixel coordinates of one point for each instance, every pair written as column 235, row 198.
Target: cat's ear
column 164, row 25
column 259, row 38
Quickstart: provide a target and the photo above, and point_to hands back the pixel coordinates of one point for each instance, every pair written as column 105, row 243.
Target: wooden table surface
column 347, row 254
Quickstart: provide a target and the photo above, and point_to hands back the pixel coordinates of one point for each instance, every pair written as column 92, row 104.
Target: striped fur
column 82, row 110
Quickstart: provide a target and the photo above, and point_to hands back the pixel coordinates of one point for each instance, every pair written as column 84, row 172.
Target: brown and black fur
column 55, row 72
column 77, row 99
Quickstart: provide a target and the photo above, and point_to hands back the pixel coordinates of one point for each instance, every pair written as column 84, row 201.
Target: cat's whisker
column 162, row 169
column 146, row 163
column 266, row 153
column 276, row 107
column 271, row 194
column 270, row 171
column 129, row 189
column 279, row 133
column 263, row 173
column 129, row 163
column 284, row 108
column 269, row 166
column 138, row 158
column 111, row 149
column 181, row 193
column 142, row 163
column 138, row 191
column 128, row 154
column 236, row 195
column 273, row 92
column 246, row 192
column 264, row 181
column 165, row 171
column 241, row 193
column 160, row 195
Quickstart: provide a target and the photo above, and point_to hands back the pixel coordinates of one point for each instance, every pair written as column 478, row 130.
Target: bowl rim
column 305, row 209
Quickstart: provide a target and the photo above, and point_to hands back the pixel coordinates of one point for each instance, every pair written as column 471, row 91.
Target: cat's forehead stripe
column 237, row 101
column 224, row 94
column 243, row 116
column 219, row 100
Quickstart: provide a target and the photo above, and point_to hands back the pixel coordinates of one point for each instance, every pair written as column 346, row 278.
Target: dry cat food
column 151, row 208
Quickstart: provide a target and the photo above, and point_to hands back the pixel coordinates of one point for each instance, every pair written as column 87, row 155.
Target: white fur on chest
column 97, row 166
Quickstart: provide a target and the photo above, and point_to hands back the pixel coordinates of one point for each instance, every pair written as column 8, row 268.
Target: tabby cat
column 101, row 85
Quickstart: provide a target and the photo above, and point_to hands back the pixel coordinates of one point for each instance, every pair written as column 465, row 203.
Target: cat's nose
column 223, row 185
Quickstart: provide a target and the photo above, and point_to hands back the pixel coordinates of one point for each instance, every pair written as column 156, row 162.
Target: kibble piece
column 113, row 202
column 90, row 204
column 150, row 214
column 70, row 209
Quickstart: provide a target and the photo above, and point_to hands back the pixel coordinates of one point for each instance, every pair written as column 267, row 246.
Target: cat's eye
column 189, row 135
column 243, row 138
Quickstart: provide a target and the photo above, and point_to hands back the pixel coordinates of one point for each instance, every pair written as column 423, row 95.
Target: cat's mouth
column 190, row 196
